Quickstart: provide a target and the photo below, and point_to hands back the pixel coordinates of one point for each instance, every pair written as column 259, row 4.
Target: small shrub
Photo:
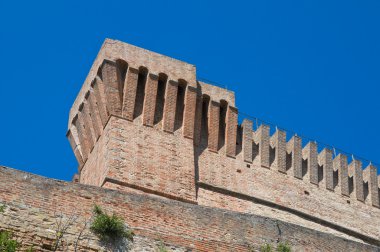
column 2, row 208
column 109, row 228
column 266, row 248
column 161, row 247
column 283, row 247
column 7, row 244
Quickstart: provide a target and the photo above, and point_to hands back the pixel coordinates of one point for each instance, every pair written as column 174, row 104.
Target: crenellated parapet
column 143, row 123
column 306, row 163
column 296, row 177
column 122, row 83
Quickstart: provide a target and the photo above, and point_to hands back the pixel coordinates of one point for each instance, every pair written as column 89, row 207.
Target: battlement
column 143, row 123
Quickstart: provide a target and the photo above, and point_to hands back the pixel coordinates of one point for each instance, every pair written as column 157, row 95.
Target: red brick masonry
column 186, row 225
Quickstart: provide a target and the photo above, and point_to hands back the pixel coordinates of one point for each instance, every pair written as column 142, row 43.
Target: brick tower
column 143, row 123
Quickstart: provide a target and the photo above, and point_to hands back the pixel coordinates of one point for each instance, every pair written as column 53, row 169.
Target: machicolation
column 143, row 125
column 142, row 122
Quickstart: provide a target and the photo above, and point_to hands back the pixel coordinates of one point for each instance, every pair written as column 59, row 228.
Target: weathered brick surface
column 156, row 63
column 247, row 140
column 94, row 114
column 294, row 148
column 213, row 126
column 75, row 147
column 233, row 176
column 170, row 106
column 168, row 158
column 150, row 100
column 81, row 136
column 340, row 165
column 217, row 93
column 100, row 99
column 189, row 113
column 130, row 91
column 36, row 201
column 326, row 161
column 370, row 177
column 261, row 139
column 278, row 143
column 95, row 169
column 309, row 153
column 238, row 204
column 231, row 131
column 150, row 159
column 90, row 127
column 355, row 171
column 111, row 80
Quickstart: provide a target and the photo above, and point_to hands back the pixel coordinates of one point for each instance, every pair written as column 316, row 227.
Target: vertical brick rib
column 189, row 113
column 262, row 138
column 75, row 148
column 355, row 171
column 86, row 126
column 278, row 142
column 294, row 148
column 111, row 80
column 76, row 138
column 213, row 126
column 247, row 140
column 100, row 100
column 340, row 164
column 310, row 153
column 231, row 131
column 170, row 106
column 325, row 160
column 150, row 99
column 89, row 119
column 129, row 93
column 77, row 122
column 95, row 114
column 198, row 121
column 370, row 176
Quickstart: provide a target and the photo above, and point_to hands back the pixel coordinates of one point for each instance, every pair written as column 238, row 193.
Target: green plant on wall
column 2, row 208
column 281, row 247
column 161, row 247
column 109, row 228
column 7, row 244
column 266, row 248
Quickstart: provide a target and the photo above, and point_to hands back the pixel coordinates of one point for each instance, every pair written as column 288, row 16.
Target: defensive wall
column 34, row 205
column 143, row 123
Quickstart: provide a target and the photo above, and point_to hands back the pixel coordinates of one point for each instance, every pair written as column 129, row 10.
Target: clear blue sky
column 309, row 66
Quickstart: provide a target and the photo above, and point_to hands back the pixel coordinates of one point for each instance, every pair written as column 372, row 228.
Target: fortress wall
column 123, row 98
column 213, row 198
column 35, row 200
column 171, row 136
column 236, row 176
